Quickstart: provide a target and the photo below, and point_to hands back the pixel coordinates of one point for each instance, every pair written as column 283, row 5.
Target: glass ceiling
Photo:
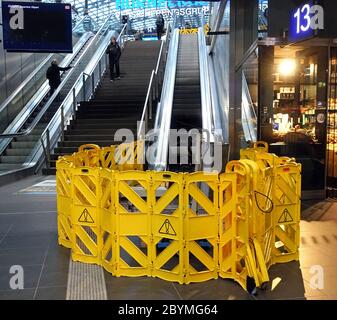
column 142, row 13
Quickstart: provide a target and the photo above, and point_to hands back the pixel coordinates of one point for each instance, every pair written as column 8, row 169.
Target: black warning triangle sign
column 85, row 217
column 286, row 217
column 167, row 228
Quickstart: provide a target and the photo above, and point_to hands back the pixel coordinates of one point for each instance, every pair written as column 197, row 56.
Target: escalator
column 21, row 146
column 186, row 108
column 18, row 144
column 189, row 133
column 18, row 100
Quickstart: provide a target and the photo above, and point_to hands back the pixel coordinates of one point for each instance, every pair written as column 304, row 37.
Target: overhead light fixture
column 287, row 67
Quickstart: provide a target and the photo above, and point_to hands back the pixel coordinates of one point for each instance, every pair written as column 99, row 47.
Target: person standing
column 160, row 22
column 114, row 52
column 54, row 75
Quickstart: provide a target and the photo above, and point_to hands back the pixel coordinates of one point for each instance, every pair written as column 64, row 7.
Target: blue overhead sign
column 305, row 22
column 158, row 4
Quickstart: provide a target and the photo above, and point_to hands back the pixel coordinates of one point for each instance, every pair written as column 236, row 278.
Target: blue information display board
column 36, row 27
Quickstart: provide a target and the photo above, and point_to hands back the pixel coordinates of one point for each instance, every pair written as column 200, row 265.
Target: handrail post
column 62, row 123
column 93, row 83
column 84, row 93
column 74, row 104
column 48, row 147
column 150, row 104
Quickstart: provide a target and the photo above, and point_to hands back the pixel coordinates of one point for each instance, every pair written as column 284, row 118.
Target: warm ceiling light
column 287, row 67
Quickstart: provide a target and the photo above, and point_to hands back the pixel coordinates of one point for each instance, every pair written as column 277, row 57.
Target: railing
column 82, row 90
column 55, row 129
column 206, row 103
column 211, row 113
column 37, row 98
column 154, row 87
column 11, row 107
column 217, row 23
column 249, row 118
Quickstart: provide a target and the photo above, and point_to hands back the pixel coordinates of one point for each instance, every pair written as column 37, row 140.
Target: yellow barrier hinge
column 151, row 238
column 185, row 273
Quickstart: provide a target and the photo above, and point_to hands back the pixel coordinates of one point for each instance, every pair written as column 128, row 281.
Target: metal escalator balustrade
column 16, row 148
column 27, row 139
column 154, row 87
column 249, row 118
column 164, row 108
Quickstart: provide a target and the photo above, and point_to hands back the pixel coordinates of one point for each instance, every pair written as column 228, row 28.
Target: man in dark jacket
column 160, row 22
column 114, row 52
column 54, row 75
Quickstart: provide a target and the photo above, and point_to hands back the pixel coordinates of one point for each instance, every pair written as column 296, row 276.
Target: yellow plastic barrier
column 281, row 177
column 201, row 226
column 176, row 226
column 64, row 200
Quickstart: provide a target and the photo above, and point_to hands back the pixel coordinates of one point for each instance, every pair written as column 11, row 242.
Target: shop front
column 292, row 81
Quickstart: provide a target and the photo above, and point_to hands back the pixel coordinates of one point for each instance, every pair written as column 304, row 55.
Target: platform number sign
column 305, row 21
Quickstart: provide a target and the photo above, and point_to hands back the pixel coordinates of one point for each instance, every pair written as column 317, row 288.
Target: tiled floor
column 28, row 237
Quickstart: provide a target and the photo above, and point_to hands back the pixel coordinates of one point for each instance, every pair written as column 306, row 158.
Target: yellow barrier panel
column 247, row 269
column 232, row 246
column 189, row 31
column 85, row 215
column 132, row 223
column 108, row 220
column 282, row 179
column 286, row 215
column 64, row 200
column 167, row 229
column 176, row 226
column 201, row 226
column 129, row 156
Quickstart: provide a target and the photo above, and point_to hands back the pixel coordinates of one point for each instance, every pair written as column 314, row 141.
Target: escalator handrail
column 154, row 74
column 164, row 113
column 207, row 110
column 36, row 99
column 29, row 78
column 60, row 87
column 248, row 107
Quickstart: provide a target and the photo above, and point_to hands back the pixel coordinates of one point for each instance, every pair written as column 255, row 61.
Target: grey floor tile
column 51, row 293
column 221, row 289
column 139, row 288
column 17, row 242
column 23, row 257
column 26, row 294
column 54, row 276
column 58, row 256
column 31, row 277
